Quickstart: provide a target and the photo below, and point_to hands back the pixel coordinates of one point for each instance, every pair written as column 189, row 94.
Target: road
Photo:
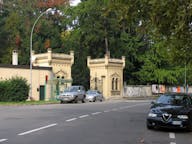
column 109, row 122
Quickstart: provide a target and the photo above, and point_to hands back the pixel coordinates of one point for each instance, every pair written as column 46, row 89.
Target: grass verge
column 28, row 103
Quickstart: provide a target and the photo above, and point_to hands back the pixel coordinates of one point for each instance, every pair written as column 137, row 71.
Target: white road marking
column 83, row 116
column 69, row 120
column 172, row 135
column 38, row 129
column 2, row 140
column 114, row 109
column 106, row 111
column 95, row 113
column 172, row 143
column 121, row 108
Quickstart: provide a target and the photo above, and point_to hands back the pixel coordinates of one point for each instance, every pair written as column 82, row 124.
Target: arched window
column 116, row 84
column 113, row 84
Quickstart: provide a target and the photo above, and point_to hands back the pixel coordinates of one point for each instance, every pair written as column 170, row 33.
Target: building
column 51, row 72
column 106, row 75
column 60, row 63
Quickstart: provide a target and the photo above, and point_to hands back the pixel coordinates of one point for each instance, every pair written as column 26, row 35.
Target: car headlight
column 183, row 116
column 152, row 115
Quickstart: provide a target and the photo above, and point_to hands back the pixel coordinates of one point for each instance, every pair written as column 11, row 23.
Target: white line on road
column 95, row 113
column 172, row 135
column 34, row 130
column 172, row 143
column 83, row 116
column 114, row 109
column 2, row 140
column 71, row 119
column 106, row 111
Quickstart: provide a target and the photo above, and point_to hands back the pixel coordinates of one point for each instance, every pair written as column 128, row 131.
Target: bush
column 14, row 89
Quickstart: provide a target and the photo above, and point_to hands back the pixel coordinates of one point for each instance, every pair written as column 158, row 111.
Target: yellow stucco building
column 51, row 72
column 60, row 63
column 106, row 75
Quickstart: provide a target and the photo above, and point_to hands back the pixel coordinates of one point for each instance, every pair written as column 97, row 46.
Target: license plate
column 176, row 122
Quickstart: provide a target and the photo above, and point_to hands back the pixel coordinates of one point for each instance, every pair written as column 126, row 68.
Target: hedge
column 14, row 89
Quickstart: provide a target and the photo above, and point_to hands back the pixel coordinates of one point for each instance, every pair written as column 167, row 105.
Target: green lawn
column 29, row 103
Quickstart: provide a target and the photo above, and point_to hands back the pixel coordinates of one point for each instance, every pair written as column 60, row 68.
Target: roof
column 24, row 67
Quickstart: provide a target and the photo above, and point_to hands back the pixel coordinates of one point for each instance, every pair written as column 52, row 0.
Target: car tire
column 75, row 100
column 83, row 100
column 149, row 126
column 189, row 129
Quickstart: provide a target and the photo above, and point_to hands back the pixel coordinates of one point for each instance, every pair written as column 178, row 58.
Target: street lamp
column 31, row 46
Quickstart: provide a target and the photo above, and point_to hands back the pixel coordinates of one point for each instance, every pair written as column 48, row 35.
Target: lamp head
column 49, row 9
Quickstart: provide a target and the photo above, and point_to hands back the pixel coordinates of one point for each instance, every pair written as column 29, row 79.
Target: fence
column 148, row 91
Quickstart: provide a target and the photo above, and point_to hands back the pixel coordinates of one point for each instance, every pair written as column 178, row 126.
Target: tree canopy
column 155, row 36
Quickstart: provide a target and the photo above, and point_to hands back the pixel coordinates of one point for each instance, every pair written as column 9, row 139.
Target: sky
column 75, row 2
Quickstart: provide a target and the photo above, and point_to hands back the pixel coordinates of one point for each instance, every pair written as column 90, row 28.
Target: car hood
column 171, row 109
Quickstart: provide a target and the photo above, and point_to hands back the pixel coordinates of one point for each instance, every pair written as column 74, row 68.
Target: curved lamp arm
column 31, row 46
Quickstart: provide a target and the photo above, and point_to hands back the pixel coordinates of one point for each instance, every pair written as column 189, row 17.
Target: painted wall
column 102, row 73
column 38, row 77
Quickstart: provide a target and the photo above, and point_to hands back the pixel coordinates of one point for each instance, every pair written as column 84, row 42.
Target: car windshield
column 172, row 100
column 71, row 89
column 91, row 92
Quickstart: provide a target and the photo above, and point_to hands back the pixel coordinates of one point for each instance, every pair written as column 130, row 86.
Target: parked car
column 72, row 94
column 94, row 95
column 171, row 110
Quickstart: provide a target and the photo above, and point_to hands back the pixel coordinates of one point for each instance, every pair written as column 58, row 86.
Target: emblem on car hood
column 166, row 117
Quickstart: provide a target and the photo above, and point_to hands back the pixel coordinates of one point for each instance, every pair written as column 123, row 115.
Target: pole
column 185, row 78
column 31, row 48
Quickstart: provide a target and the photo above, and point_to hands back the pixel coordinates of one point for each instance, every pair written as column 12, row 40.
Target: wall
column 38, row 77
column 136, row 91
column 147, row 91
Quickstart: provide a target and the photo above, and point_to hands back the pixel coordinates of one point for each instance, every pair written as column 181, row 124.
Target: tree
column 101, row 26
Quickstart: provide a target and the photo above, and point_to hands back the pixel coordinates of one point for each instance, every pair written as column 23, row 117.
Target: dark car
column 171, row 110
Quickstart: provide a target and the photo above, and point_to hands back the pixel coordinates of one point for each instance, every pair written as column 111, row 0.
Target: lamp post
column 31, row 46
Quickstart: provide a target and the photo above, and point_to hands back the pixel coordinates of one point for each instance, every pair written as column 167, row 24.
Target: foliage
column 14, row 89
column 155, row 36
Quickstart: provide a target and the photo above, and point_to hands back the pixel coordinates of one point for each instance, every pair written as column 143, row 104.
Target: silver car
column 72, row 94
column 94, row 95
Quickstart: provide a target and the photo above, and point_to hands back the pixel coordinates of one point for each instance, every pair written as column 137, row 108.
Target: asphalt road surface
column 109, row 122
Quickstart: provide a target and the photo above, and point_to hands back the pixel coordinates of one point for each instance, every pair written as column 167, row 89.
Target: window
column 115, row 84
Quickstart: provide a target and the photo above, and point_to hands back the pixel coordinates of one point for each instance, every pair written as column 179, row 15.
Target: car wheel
column 149, row 126
column 75, row 100
column 83, row 100
column 190, row 128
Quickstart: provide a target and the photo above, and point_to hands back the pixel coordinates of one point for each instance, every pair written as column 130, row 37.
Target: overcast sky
column 75, row 2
